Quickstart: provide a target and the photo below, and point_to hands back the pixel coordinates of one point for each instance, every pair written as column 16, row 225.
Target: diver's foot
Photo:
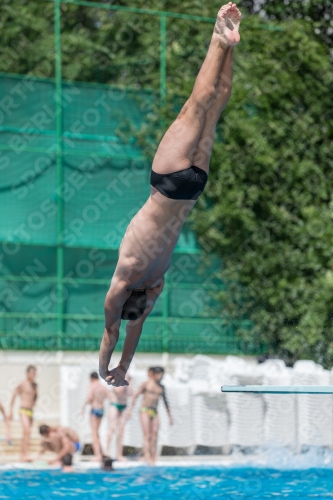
column 227, row 25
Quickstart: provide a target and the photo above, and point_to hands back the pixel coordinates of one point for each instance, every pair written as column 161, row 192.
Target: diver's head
column 135, row 305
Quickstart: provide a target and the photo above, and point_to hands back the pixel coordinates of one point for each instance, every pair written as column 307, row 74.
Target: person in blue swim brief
column 97, row 412
column 96, row 396
column 61, row 440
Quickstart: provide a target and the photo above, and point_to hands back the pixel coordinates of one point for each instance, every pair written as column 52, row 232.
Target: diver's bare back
column 146, row 250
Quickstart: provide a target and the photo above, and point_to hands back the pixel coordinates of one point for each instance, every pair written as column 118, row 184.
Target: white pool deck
column 277, row 459
column 85, row 466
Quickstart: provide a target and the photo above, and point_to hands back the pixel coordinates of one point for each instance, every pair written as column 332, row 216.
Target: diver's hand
column 116, row 377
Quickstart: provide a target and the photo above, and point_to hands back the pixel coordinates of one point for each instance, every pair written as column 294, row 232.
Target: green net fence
column 69, row 185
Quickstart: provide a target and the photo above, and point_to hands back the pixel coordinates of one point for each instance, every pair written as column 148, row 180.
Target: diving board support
column 279, row 389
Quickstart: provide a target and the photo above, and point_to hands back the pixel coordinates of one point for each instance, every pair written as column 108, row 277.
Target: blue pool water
column 161, row 483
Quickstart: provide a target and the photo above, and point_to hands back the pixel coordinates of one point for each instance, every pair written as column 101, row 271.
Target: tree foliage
column 319, row 13
column 98, row 45
column 267, row 209
column 119, row 47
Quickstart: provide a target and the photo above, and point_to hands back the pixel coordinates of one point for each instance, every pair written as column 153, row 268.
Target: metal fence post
column 60, row 174
column 165, row 314
column 165, row 334
column 163, row 58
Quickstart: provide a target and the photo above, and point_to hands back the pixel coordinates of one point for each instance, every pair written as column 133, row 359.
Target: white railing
column 205, row 416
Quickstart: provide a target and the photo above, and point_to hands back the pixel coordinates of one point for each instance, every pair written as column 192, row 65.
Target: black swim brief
column 187, row 184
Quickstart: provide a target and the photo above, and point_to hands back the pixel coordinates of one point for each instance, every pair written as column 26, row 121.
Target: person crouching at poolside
column 118, row 415
column 96, row 396
column 151, row 390
column 61, row 440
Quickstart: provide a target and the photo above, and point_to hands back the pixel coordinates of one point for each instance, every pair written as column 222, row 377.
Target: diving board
column 279, row 389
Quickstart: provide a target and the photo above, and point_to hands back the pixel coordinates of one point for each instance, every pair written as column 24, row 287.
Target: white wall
column 205, row 416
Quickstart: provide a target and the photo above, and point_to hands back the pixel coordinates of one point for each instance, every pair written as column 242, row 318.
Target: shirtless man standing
column 151, row 390
column 96, row 396
column 27, row 390
column 179, row 175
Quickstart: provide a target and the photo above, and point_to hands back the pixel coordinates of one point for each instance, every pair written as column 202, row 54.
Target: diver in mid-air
column 178, row 177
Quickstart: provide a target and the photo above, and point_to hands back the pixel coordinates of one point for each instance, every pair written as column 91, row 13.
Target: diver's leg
column 204, row 148
column 179, row 143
